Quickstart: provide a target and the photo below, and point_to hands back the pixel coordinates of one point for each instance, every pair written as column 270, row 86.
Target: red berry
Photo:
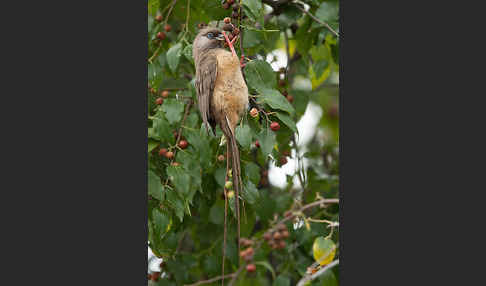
column 285, row 234
column 267, row 236
column 286, row 153
column 183, row 144
column 165, row 93
column 227, row 20
column 290, row 98
column 283, row 161
column 281, row 244
column 160, row 35
column 277, row 235
column 167, row 28
column 221, row 158
column 257, row 144
column 152, row 90
column 158, row 18
column 275, row 126
column 226, row 5
column 163, row 152
column 230, row 1
column 169, row 155
column 159, row 100
column 251, row 267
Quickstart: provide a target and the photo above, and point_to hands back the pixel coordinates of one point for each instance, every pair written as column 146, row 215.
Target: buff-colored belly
column 230, row 96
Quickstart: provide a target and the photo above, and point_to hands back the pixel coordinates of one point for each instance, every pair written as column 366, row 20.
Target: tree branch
column 212, row 279
column 318, row 273
column 318, row 21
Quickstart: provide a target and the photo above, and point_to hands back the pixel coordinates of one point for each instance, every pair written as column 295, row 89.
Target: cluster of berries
column 275, row 238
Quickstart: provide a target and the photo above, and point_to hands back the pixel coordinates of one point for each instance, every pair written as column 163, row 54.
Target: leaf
column 327, row 12
column 216, row 214
column 152, row 144
column 328, row 279
column 173, row 56
column 319, row 67
column 281, row 281
column 173, row 110
column 180, row 180
column 155, row 188
column 256, row 9
column 250, row 193
column 176, row 203
column 287, row 121
column 161, row 129
column 252, row 172
column 161, row 222
column 243, row 136
column 260, row 75
column 267, row 141
column 187, row 52
column 268, row 266
column 276, row 100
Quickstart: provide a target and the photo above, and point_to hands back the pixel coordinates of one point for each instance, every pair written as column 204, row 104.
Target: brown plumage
column 222, row 95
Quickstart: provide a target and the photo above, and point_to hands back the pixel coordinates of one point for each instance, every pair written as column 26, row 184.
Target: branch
column 318, row 273
column 318, row 21
column 212, row 279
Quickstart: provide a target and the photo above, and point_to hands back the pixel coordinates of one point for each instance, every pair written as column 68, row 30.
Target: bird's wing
column 206, row 74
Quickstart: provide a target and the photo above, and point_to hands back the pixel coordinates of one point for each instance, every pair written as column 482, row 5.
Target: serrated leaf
column 161, row 223
column 161, row 129
column 266, row 139
column 173, row 56
column 243, row 136
column 216, row 214
column 152, row 144
column 250, row 193
column 173, row 110
column 175, row 202
column 187, row 52
column 180, row 179
column 276, row 100
column 287, row 121
column 260, row 75
column 155, row 188
column 256, row 9
column 327, row 12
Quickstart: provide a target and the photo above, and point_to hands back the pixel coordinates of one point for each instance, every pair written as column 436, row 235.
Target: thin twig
column 318, row 273
column 318, row 21
column 212, row 279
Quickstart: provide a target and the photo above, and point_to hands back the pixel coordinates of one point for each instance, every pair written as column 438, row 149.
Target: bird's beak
column 220, row 37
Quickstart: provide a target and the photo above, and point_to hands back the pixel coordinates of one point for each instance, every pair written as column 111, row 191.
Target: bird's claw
column 230, row 44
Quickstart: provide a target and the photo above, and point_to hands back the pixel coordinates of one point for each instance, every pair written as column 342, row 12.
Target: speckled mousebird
column 222, row 94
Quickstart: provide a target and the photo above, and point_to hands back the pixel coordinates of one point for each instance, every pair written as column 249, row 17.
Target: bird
column 222, row 96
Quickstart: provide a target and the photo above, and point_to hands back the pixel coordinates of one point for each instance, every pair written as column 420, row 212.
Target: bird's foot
column 230, row 44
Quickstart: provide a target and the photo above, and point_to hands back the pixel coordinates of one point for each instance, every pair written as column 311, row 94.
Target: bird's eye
column 210, row 35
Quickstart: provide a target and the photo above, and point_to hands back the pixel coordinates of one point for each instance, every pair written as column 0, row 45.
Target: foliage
column 186, row 199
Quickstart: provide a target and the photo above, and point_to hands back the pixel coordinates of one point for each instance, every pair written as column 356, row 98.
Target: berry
column 183, row 144
column 281, row 244
column 257, row 144
column 163, row 152
column 227, row 20
column 165, row 94
column 267, row 236
column 251, row 267
column 228, row 185
column 152, row 90
column 175, row 164
column 286, row 153
column 159, row 101
column 277, row 235
column 230, row 1
column 161, row 35
column 290, row 98
column 283, row 161
column 281, row 227
column 228, row 27
column 167, row 28
column 158, row 18
column 275, row 126
column 230, row 194
column 285, row 234
column 249, row 251
column 221, row 158
column 226, row 5
column 169, row 155
column 254, row 112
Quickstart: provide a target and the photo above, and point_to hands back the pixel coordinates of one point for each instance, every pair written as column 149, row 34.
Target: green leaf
column 152, row 144
column 173, row 110
column 281, row 281
column 173, row 56
column 180, row 180
column 187, row 52
column 155, row 188
column 243, row 136
column 161, row 129
column 176, row 203
column 327, row 12
column 216, row 214
column 250, row 193
column 268, row 266
column 328, row 279
column 260, row 75
column 276, row 100
column 252, row 172
column 287, row 121
column 161, row 222
column 267, row 141
column 256, row 9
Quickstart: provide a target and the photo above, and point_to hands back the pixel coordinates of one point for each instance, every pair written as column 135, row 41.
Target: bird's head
column 207, row 39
